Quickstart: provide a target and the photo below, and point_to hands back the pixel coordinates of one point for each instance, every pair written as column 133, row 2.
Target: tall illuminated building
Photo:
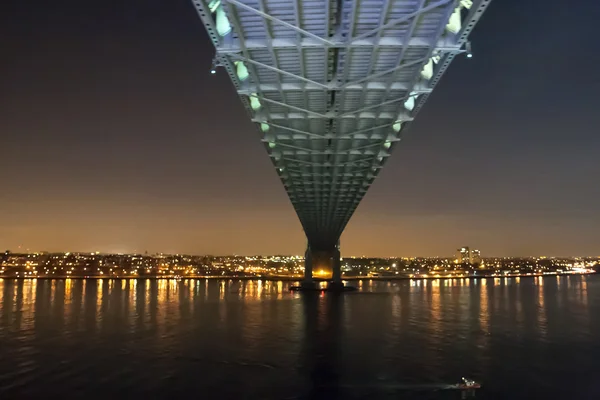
column 463, row 255
column 475, row 257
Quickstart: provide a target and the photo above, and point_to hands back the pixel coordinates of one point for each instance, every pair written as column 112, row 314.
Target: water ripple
column 255, row 339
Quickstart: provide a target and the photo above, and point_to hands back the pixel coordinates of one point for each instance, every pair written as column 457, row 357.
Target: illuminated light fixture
column 242, row 71
column 223, row 25
column 455, row 22
column 272, row 145
column 409, row 104
column 213, row 5
column 427, row 71
column 254, row 102
column 468, row 50
column 213, row 67
column 387, row 144
column 397, row 126
column 222, row 22
column 264, row 127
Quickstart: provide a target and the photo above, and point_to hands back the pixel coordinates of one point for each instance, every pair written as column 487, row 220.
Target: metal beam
column 278, row 21
column 354, row 112
column 247, row 88
column 279, row 103
column 233, row 46
column 389, row 71
column 278, row 70
column 355, row 151
column 347, row 135
column 265, row 116
column 402, row 19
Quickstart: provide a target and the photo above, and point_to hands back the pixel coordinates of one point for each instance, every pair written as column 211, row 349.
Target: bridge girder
column 333, row 85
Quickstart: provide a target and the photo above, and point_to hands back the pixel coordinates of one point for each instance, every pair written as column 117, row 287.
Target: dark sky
column 115, row 137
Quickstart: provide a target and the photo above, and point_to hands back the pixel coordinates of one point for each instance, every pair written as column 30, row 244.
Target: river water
column 523, row 338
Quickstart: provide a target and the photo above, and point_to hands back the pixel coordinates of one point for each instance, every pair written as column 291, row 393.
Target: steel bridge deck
column 332, row 85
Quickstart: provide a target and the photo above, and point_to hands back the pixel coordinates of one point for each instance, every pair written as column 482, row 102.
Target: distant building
column 475, row 257
column 463, row 255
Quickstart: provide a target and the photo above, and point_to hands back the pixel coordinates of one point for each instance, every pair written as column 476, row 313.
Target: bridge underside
column 332, row 85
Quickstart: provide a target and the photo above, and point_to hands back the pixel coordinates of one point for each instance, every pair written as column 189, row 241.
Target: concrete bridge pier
column 322, row 265
column 336, row 272
column 308, row 282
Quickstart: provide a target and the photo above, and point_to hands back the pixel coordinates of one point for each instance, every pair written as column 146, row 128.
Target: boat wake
column 402, row 386
column 464, row 384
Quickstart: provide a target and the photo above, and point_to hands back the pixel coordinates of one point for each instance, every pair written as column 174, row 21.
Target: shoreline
column 298, row 279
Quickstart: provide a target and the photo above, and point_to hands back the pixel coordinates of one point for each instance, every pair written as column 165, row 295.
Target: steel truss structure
column 332, row 86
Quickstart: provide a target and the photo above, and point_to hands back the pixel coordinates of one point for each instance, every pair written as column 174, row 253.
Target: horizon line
column 276, row 255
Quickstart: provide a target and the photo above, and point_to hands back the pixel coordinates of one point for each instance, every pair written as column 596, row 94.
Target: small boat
column 467, row 384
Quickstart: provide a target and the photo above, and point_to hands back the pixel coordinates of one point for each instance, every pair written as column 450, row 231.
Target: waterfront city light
column 89, row 265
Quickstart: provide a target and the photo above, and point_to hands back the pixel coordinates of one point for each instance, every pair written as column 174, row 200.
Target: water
column 523, row 338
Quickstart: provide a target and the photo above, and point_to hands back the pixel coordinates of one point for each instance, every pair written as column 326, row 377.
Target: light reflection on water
column 255, row 338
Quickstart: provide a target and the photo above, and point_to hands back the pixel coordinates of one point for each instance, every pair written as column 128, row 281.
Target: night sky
column 116, row 138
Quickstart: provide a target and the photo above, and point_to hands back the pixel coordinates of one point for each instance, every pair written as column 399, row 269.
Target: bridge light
column 427, row 71
column 455, row 22
column 397, row 126
column 272, row 145
column 264, row 127
column 254, row 102
column 222, row 22
column 242, row 71
column 213, row 5
column 409, row 104
column 468, row 50
column 387, row 144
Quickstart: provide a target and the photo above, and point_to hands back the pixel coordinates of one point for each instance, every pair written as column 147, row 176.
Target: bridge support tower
column 323, row 265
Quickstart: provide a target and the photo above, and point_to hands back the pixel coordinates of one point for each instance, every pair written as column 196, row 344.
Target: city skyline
column 441, row 256
column 45, row 265
column 116, row 137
